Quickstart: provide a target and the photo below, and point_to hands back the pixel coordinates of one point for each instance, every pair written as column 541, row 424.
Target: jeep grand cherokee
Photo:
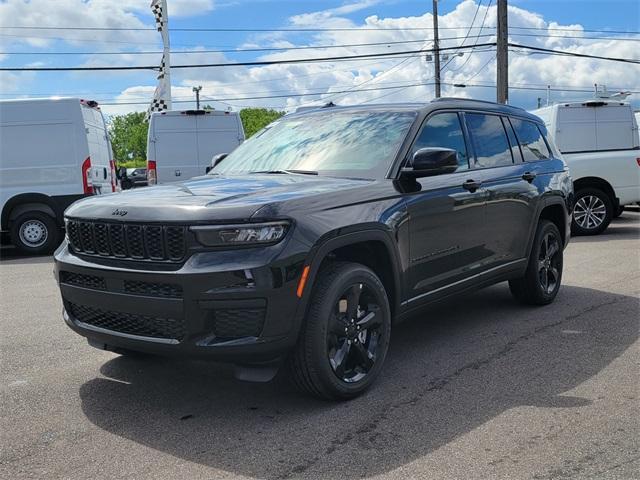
column 315, row 237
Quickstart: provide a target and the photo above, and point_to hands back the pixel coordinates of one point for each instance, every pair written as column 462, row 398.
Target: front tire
column 35, row 233
column 345, row 336
column 592, row 212
column 542, row 279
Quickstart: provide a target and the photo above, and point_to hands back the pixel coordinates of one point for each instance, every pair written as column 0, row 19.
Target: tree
column 254, row 119
column 128, row 135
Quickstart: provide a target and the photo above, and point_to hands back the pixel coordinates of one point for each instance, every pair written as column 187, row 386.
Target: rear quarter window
column 532, row 142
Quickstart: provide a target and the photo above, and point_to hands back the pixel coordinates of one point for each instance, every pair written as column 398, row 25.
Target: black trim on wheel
column 543, row 277
column 354, row 331
column 345, row 336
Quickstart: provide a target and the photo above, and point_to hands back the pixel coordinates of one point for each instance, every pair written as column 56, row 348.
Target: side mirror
column 215, row 161
column 218, row 158
column 431, row 161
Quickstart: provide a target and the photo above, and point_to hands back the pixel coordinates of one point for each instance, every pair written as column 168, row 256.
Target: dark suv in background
column 311, row 240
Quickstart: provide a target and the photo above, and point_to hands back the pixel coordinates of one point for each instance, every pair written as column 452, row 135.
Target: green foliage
column 254, row 119
column 133, row 164
column 128, row 135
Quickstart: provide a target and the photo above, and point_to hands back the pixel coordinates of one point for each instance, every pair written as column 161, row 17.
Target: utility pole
column 436, row 47
column 502, row 74
column 197, row 92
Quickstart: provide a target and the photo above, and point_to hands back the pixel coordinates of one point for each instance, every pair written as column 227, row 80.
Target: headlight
column 245, row 234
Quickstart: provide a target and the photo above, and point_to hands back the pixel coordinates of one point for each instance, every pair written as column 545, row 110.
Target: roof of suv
column 437, row 104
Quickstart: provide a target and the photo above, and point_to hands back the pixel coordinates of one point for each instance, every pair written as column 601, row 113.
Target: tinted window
column 515, row 149
column 531, row 140
column 489, row 140
column 444, row 130
column 342, row 143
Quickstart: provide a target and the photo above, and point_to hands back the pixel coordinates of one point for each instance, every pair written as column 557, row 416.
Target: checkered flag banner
column 160, row 14
column 161, row 99
column 163, row 66
column 162, row 95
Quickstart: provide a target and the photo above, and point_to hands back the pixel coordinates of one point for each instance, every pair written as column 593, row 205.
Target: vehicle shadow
column 451, row 369
column 13, row 255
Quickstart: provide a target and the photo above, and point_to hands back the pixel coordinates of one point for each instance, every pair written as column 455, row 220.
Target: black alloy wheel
column 354, row 333
column 542, row 279
column 345, row 333
column 548, row 263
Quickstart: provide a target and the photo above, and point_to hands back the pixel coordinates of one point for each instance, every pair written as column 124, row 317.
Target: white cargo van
column 599, row 141
column 52, row 152
column 180, row 144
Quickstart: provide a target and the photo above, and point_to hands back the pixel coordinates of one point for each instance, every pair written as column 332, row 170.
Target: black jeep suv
column 309, row 242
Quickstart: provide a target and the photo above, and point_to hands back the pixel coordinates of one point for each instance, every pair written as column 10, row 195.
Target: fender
column 24, row 202
column 546, row 201
column 323, row 247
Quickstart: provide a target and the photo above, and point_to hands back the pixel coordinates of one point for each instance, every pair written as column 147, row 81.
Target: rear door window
column 515, row 148
column 531, row 140
column 443, row 130
column 489, row 140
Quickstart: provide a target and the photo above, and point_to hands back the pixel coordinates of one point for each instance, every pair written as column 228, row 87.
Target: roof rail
column 474, row 100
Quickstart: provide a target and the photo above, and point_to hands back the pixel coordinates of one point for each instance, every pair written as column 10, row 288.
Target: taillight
column 112, row 164
column 638, row 160
column 87, row 184
column 152, row 174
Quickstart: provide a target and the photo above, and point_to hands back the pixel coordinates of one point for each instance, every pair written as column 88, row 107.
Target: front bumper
column 238, row 306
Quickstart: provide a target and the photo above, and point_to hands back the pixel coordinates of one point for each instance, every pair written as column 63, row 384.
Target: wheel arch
column 373, row 248
column 555, row 209
column 25, row 202
column 596, row 182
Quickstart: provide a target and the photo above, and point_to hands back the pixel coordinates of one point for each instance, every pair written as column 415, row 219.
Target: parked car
column 599, row 140
column 180, row 144
column 132, row 177
column 52, row 152
column 309, row 243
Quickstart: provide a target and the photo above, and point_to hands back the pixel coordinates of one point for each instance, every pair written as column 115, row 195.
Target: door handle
column 529, row 176
column 471, row 185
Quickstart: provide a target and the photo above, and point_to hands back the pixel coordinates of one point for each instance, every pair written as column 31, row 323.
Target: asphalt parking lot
column 475, row 388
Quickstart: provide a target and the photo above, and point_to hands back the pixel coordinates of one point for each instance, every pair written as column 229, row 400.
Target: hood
column 210, row 198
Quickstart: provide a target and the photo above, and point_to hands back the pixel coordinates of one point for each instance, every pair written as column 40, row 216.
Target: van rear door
column 102, row 168
column 217, row 133
column 175, row 145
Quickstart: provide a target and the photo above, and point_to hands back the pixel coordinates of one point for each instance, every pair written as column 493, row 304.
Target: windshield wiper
column 301, row 172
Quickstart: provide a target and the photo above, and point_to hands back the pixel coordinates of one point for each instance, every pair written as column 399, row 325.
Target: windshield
column 342, row 143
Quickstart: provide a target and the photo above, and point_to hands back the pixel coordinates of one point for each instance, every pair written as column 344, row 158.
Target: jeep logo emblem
column 120, row 213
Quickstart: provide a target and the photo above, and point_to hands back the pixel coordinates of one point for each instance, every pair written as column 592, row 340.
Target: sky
column 394, row 25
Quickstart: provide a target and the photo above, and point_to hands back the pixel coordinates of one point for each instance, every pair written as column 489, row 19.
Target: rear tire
column 592, row 212
column 542, row 279
column 35, row 233
column 345, row 335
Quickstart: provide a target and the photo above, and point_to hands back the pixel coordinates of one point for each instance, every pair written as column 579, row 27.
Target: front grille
column 85, row 281
column 128, row 241
column 238, row 322
column 165, row 290
column 133, row 324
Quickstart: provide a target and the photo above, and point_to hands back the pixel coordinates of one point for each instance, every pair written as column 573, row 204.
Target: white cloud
column 477, row 68
column 88, row 14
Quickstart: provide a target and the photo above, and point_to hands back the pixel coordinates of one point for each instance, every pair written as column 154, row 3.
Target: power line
column 484, row 19
column 237, row 50
column 314, row 47
column 395, row 87
column 237, row 64
column 575, row 54
column 306, row 29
